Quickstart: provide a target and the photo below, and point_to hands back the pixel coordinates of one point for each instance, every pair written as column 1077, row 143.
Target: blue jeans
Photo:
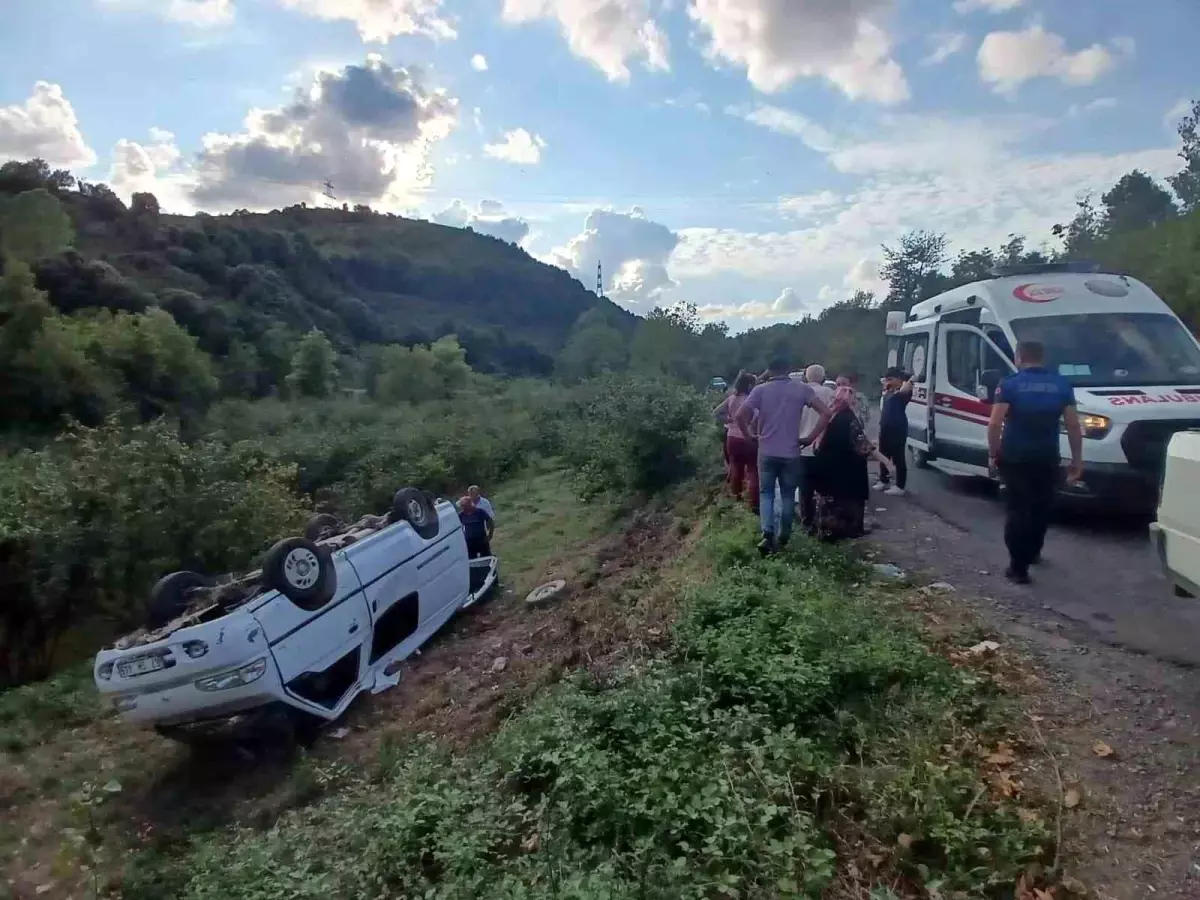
column 782, row 471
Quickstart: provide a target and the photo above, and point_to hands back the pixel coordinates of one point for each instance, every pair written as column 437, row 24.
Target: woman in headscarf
column 843, row 484
column 741, row 450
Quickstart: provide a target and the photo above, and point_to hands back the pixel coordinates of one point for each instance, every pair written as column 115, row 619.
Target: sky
column 747, row 156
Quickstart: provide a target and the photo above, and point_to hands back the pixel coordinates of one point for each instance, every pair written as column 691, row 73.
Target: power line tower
column 600, row 280
column 328, row 192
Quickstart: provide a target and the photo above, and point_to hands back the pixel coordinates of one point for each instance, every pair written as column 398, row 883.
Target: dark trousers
column 894, row 446
column 478, row 546
column 1030, row 488
column 743, row 468
column 807, row 494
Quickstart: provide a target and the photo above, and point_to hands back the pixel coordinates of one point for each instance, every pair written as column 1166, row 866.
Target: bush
column 628, row 433
column 88, row 525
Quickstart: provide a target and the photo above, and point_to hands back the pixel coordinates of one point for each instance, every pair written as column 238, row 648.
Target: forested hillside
column 107, row 305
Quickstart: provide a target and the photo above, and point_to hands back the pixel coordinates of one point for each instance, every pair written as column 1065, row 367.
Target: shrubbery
column 798, row 719
column 88, row 524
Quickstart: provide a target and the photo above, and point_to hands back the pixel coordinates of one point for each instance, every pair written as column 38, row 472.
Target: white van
column 1134, row 365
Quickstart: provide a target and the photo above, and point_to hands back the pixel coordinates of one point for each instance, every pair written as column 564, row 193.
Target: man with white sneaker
column 893, row 430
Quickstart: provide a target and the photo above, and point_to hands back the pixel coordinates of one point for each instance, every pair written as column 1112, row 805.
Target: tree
column 406, row 375
column 1083, row 233
column 314, row 366
column 596, row 350
column 449, row 364
column 913, row 270
column 1135, row 202
column 1186, row 183
column 33, row 224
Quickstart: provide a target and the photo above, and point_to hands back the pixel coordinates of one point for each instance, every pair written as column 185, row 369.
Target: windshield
column 1115, row 349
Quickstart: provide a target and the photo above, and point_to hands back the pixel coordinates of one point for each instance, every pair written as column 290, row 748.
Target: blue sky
column 748, row 156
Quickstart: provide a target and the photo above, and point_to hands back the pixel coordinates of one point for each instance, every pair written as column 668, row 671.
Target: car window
column 916, row 348
column 963, row 360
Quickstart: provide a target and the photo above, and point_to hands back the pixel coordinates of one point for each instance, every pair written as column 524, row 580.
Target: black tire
column 302, row 571
column 418, row 509
column 169, row 598
column 1183, row 593
column 321, row 525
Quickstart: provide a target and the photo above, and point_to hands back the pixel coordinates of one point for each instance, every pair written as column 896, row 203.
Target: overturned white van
column 1134, row 365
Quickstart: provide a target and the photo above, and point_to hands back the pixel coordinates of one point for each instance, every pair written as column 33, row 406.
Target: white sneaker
column 879, row 486
column 894, row 491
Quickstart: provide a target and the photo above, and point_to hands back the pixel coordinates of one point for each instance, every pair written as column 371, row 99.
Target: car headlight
column 195, row 649
column 105, row 671
column 234, row 678
column 1092, row 426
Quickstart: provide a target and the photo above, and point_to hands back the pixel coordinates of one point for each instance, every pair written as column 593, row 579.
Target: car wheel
column 920, row 458
column 322, row 525
column 417, row 509
column 169, row 598
column 302, row 571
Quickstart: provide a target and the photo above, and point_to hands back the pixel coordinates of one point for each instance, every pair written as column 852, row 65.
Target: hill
column 358, row 276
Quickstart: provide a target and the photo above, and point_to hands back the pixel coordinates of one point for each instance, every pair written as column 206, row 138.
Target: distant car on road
column 329, row 616
column 1176, row 534
column 718, row 384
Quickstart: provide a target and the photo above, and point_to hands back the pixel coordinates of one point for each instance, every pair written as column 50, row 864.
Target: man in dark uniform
column 477, row 528
column 1023, row 445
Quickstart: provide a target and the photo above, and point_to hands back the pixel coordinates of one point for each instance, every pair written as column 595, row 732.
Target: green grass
column 538, row 515
column 797, row 723
column 34, row 713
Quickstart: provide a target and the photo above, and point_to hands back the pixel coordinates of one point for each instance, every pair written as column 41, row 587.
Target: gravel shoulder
column 1112, row 654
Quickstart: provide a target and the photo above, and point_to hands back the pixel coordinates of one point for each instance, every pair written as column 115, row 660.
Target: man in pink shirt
column 780, row 403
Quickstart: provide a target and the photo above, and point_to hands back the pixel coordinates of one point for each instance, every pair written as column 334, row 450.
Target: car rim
column 301, row 568
column 416, row 512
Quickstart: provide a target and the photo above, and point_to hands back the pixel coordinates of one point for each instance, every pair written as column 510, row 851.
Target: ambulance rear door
column 969, row 367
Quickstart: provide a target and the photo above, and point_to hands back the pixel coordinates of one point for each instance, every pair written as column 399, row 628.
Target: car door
column 962, row 402
column 913, row 358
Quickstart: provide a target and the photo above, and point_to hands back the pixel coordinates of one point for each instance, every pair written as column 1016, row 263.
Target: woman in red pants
column 741, row 450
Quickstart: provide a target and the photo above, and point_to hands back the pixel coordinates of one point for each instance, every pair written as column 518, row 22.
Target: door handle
column 354, row 628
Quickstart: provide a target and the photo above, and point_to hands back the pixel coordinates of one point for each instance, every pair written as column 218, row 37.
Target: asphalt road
column 1099, row 572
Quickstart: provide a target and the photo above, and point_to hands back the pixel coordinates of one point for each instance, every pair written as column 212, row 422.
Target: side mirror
column 989, row 380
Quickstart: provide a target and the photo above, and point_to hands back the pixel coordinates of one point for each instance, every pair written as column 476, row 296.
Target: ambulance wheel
column 170, row 596
column 417, row 508
column 920, row 459
column 302, row 571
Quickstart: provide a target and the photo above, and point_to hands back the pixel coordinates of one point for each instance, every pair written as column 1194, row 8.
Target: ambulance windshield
column 1115, row 349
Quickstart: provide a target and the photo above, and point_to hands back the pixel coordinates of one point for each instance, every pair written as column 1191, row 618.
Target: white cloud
column 44, row 126
column 974, row 206
column 202, row 13
column 944, row 46
column 993, row 6
column 489, row 218
column 788, row 305
column 903, row 143
column 519, row 147
column 1007, row 59
column 633, row 251
column 1100, row 103
column 153, row 167
column 479, row 62
column 805, row 206
column 367, row 128
column 779, row 42
column 607, row 33
column 198, row 13
column 1173, row 116
column 378, row 21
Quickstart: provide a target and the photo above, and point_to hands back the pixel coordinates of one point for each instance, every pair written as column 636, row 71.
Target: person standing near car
column 779, row 403
column 893, row 430
column 483, row 503
column 1023, row 447
column 814, row 376
column 477, row 528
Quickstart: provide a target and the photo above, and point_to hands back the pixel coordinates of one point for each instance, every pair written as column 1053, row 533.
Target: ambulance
column 1134, row 365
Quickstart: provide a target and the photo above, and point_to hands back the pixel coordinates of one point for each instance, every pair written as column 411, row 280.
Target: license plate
column 141, row 666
